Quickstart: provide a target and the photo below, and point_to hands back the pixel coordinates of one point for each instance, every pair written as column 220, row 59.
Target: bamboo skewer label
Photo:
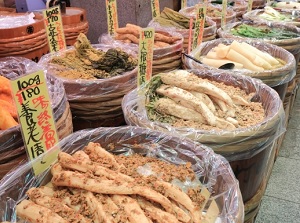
column 155, row 8
column 224, row 13
column 199, row 26
column 36, row 119
column 145, row 56
column 54, row 29
column 112, row 16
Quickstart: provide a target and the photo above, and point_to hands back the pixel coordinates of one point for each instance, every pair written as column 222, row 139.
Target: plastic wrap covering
column 267, row 15
column 96, row 98
column 212, row 170
column 16, row 21
column 164, row 58
column 213, row 12
column 247, row 149
column 234, row 144
column 209, row 32
column 272, row 78
column 11, row 142
column 292, row 44
column 288, row 6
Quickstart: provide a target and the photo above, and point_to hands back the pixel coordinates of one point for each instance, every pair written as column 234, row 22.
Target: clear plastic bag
column 287, row 18
column 272, row 78
column 292, row 45
column 212, row 170
column 238, row 144
column 82, row 90
column 213, row 12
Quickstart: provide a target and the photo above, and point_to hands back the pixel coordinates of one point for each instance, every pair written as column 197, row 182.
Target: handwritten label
column 112, row 16
column 155, row 8
column 250, row 3
column 54, row 29
column 183, row 4
column 199, row 26
column 224, row 13
column 190, row 34
column 36, row 118
column 146, row 46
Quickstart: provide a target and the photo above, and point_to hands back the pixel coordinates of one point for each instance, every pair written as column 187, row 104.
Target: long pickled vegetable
column 246, row 30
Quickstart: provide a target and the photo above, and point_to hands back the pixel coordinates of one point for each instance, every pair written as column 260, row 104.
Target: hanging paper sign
column 54, row 29
column 224, row 13
column 155, row 8
column 36, row 118
column 112, row 16
column 199, row 26
column 146, row 46
column 250, row 3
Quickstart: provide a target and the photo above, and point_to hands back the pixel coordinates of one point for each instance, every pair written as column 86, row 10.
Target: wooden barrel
column 27, row 41
column 74, row 22
column 247, row 149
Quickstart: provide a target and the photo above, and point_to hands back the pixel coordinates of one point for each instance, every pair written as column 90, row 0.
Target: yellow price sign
column 112, row 16
column 146, row 46
column 155, row 8
column 199, row 26
column 250, row 3
column 224, row 13
column 54, row 29
column 183, row 4
column 36, row 118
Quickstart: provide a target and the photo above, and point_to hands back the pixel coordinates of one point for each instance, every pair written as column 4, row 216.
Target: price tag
column 183, row 4
column 224, row 13
column 112, row 16
column 250, row 3
column 155, row 8
column 199, row 26
column 36, row 118
column 146, row 46
column 54, row 29
column 190, row 34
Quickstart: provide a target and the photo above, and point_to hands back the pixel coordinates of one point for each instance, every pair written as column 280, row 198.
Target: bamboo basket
column 94, row 103
column 276, row 78
column 252, row 206
column 247, row 149
column 11, row 141
column 211, row 169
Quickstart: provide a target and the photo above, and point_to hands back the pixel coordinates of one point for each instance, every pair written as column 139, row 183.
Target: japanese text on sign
column 112, row 16
column 36, row 118
column 145, row 55
column 199, row 26
column 54, row 29
column 155, row 8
